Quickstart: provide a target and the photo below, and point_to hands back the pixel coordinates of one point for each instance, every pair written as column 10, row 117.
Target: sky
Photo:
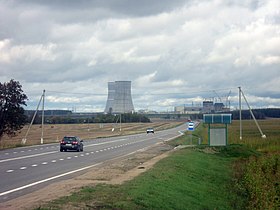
column 175, row 53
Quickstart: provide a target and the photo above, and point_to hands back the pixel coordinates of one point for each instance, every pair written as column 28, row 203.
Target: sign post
column 218, row 132
column 191, row 128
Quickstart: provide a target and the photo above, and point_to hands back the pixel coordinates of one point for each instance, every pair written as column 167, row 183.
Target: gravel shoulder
column 114, row 171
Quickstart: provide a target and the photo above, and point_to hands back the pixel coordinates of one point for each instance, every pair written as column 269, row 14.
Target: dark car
column 150, row 130
column 71, row 143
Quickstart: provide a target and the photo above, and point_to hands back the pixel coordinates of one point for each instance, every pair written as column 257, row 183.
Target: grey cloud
column 129, row 7
column 171, row 50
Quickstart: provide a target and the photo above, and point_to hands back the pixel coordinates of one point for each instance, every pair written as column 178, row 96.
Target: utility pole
column 240, row 115
column 252, row 114
column 33, row 118
column 43, row 116
column 120, row 121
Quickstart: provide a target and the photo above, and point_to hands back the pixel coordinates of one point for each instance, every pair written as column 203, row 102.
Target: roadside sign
column 190, row 126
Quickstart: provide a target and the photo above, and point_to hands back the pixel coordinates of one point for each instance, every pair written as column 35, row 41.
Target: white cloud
column 26, row 53
column 53, row 99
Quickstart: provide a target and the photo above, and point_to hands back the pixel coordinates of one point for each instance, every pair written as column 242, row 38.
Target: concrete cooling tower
column 119, row 97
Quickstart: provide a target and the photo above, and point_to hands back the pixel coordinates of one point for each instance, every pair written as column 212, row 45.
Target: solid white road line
column 46, row 180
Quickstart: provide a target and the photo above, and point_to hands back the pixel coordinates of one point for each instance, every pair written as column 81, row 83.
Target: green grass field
column 194, row 178
column 243, row 175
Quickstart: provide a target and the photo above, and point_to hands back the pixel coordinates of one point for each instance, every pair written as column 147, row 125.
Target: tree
column 12, row 117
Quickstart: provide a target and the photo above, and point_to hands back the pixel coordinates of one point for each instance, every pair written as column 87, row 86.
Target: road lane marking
column 34, row 165
column 46, row 180
column 9, row 171
column 23, row 168
column 28, row 156
column 90, row 145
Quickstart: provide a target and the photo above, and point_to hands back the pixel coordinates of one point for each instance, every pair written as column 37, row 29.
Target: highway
column 27, row 169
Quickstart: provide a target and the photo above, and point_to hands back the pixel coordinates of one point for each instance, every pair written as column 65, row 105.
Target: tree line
column 99, row 118
column 258, row 113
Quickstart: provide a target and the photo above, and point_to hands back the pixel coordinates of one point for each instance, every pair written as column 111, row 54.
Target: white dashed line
column 22, row 168
column 61, row 159
column 53, row 161
column 34, row 165
column 68, row 158
column 28, row 156
column 9, row 171
column 44, row 163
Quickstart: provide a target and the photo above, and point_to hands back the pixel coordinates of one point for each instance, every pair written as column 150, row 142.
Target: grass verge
column 191, row 178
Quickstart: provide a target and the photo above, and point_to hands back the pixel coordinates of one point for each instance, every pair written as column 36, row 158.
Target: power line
column 155, row 94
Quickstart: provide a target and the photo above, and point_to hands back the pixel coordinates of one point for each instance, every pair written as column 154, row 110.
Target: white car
column 150, row 130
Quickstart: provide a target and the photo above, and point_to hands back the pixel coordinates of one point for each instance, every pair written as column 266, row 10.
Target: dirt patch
column 115, row 171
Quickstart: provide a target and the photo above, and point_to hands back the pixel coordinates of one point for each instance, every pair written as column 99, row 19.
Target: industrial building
column 119, row 97
column 208, row 106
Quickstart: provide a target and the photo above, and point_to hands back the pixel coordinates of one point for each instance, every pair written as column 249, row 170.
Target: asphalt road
column 27, row 169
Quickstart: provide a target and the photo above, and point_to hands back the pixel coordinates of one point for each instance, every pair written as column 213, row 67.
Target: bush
column 261, row 180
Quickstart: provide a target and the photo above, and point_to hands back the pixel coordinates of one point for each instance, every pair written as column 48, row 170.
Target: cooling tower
column 119, row 97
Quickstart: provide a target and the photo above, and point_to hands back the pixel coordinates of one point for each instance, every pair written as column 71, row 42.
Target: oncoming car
column 150, row 130
column 71, row 143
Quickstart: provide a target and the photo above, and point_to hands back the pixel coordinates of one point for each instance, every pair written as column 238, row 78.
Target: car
column 71, row 143
column 150, row 130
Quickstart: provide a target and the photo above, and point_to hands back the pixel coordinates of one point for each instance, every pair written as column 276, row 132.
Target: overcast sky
column 173, row 51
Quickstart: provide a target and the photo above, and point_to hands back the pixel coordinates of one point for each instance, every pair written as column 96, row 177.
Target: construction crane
column 218, row 96
column 227, row 100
